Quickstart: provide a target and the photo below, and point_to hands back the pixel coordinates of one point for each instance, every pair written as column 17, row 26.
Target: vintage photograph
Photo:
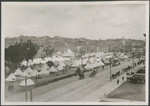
column 75, row 52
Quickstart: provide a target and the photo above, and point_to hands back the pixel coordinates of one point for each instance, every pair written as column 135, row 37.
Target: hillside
column 61, row 43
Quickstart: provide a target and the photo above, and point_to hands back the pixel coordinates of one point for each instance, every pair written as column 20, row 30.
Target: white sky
column 88, row 21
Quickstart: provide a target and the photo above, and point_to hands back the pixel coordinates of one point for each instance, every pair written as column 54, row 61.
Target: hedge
column 54, row 80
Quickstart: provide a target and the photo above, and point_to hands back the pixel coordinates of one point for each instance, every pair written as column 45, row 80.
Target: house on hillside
column 137, row 48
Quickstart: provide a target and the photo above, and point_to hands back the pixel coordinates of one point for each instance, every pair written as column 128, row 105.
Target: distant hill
column 61, row 43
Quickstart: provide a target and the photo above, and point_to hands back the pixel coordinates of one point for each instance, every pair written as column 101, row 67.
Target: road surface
column 77, row 90
column 70, row 89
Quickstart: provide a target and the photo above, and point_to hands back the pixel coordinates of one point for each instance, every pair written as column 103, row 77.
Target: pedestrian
column 123, row 78
column 12, row 86
column 118, row 81
column 8, row 87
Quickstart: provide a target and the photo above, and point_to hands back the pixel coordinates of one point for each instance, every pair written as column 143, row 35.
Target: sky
column 100, row 21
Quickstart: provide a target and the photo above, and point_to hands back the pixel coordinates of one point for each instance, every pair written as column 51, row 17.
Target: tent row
column 32, row 73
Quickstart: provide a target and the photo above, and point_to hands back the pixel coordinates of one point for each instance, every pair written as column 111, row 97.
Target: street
column 77, row 90
column 71, row 89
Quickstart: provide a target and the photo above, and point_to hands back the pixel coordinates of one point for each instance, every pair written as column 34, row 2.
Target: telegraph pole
column 110, row 69
column 139, row 56
column 133, row 58
column 26, row 88
column 30, row 93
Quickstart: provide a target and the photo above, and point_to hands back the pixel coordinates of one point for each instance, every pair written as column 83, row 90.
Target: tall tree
column 30, row 49
column 50, row 63
column 16, row 53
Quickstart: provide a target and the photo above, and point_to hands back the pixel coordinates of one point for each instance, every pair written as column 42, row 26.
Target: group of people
column 94, row 72
column 10, row 87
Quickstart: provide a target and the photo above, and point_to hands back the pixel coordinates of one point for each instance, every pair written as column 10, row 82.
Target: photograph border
column 79, row 103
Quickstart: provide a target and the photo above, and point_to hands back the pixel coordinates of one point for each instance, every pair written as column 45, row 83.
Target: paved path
column 109, row 87
column 80, row 89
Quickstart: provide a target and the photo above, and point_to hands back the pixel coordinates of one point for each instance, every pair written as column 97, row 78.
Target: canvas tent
column 88, row 66
column 25, row 74
column 62, row 64
column 34, row 73
column 68, row 53
column 24, row 63
column 29, row 70
column 60, row 67
column 100, row 63
column 53, row 69
column 18, row 72
column 45, row 66
column 76, row 63
column 37, row 68
column 29, row 82
column 44, row 72
column 11, row 77
column 106, row 62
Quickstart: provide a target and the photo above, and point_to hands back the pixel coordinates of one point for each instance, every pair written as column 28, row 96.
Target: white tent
column 43, row 61
column 84, row 61
column 62, row 64
column 76, row 63
column 44, row 72
column 25, row 74
column 34, row 73
column 125, row 57
column 24, row 63
column 29, row 70
column 88, row 66
column 99, row 63
column 108, row 57
column 37, row 60
column 67, row 54
column 69, row 51
column 53, row 69
column 94, row 65
column 30, row 62
column 18, row 72
column 11, row 77
column 60, row 67
column 29, row 82
column 91, row 60
column 45, row 66
column 106, row 62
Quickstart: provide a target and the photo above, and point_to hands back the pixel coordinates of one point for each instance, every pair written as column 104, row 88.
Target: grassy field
column 129, row 91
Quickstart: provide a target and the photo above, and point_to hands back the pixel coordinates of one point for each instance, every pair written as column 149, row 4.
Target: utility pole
column 139, row 56
column 30, row 93
column 110, row 69
column 133, row 58
column 26, row 88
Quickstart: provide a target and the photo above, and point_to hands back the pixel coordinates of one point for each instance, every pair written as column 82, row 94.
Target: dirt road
column 78, row 89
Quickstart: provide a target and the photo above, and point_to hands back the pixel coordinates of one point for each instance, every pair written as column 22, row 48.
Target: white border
column 78, row 103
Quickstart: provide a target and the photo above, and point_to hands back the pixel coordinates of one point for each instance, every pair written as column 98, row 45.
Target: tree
column 50, row 63
column 16, row 53
column 30, row 49
column 49, row 51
